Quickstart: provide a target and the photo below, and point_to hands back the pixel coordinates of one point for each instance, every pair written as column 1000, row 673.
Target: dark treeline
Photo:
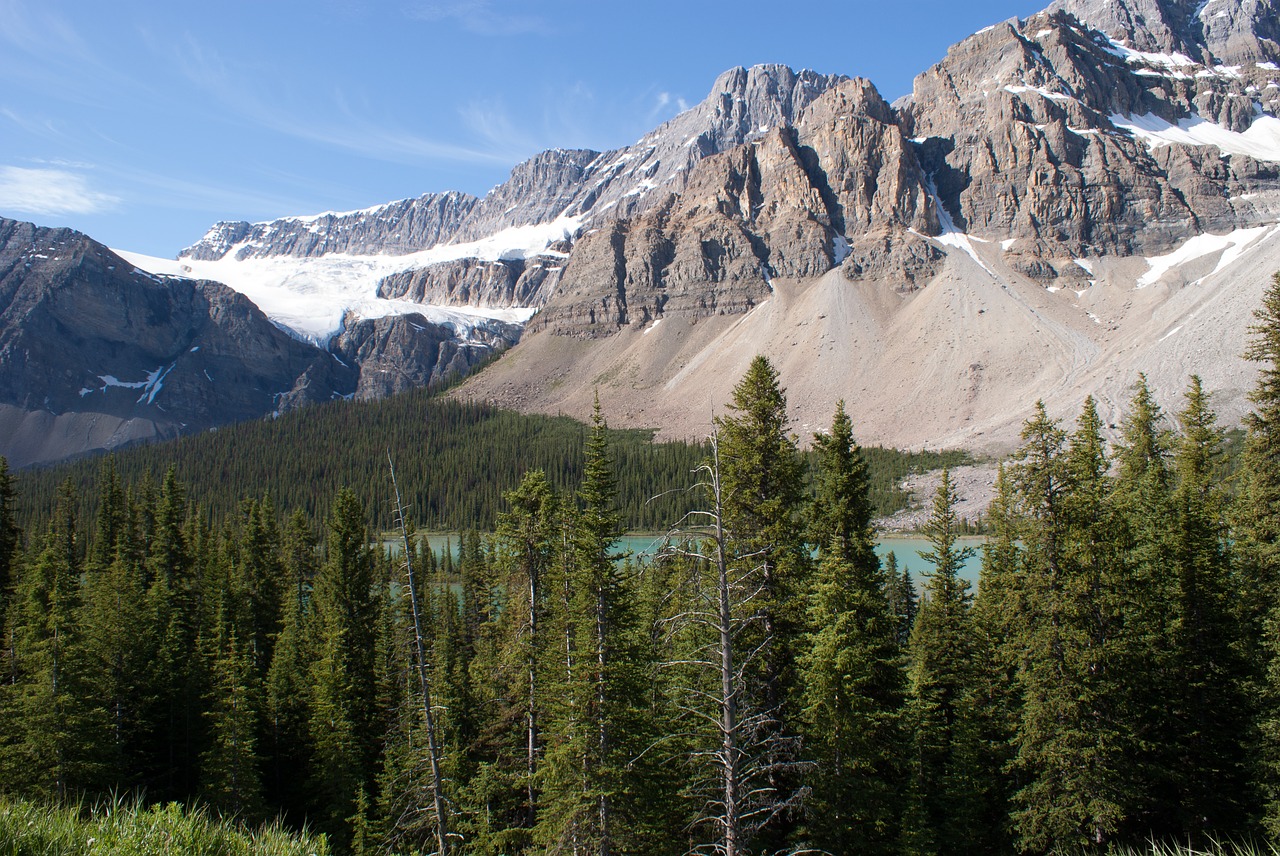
column 767, row 685
column 457, row 461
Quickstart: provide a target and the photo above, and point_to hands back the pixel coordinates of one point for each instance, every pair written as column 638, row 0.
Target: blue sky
column 142, row 123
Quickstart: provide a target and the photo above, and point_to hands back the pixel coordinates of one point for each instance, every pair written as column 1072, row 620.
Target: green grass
column 1215, row 849
column 126, row 828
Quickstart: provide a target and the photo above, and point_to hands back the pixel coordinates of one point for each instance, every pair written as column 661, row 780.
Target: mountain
column 1050, row 212
column 96, row 353
column 1061, row 203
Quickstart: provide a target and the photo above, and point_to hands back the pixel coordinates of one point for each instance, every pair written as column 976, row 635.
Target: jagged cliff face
column 1216, row 32
column 1061, row 203
column 1034, row 133
column 780, row 206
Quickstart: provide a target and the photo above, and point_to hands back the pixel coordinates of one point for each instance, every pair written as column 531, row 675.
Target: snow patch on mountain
column 1261, row 141
column 1232, row 245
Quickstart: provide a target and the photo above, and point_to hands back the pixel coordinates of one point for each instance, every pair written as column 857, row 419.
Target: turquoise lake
column 906, row 548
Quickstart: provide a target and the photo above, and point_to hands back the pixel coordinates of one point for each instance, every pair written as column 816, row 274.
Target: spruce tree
column 849, row 670
column 230, row 780
column 942, row 804
column 10, row 535
column 762, row 480
column 1257, row 537
column 50, row 745
column 343, row 716
column 1074, row 747
column 1208, row 699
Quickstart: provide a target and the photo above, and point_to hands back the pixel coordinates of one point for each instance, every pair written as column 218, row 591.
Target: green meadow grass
column 126, row 828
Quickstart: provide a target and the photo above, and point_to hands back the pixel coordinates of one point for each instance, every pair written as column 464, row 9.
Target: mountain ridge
column 1061, row 202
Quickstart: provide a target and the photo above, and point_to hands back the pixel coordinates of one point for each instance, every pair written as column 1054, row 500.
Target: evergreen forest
column 765, row 685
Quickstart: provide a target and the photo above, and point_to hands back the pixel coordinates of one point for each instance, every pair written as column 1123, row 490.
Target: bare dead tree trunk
column 433, row 748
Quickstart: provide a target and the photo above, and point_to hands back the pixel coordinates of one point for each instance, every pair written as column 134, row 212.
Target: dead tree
column 428, row 715
column 739, row 748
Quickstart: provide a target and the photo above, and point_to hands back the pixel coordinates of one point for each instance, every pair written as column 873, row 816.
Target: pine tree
column 177, row 678
column 762, row 476
column 119, row 642
column 849, row 666
column 942, row 810
column 343, row 724
column 286, row 745
column 1074, row 745
column 514, row 646
column 1208, row 677
column 903, row 602
column 51, row 740
column 10, row 535
column 230, row 780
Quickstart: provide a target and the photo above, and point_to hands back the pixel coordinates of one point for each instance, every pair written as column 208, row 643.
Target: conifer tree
column 1074, row 745
column 1257, row 535
column 513, row 664
column 1258, row 507
column 51, row 739
column 10, row 535
column 177, row 674
column 119, row 642
column 852, row 683
column 762, row 481
column 1207, row 699
column 286, row 745
column 230, row 779
column 942, row 806
column 343, row 717
column 903, row 602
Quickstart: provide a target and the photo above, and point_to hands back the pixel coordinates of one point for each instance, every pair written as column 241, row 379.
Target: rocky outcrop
column 407, row 352
column 780, row 206
column 1023, row 130
column 1216, row 32
column 398, row 227
column 500, row 284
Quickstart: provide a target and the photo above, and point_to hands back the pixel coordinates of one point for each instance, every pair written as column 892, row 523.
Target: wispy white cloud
column 662, row 105
column 479, row 17
column 44, row 128
column 50, row 192
column 344, row 126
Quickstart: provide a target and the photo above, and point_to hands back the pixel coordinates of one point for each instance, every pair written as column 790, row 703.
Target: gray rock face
column 408, row 352
column 110, row 354
column 398, row 227
column 472, row 282
column 1217, row 32
column 779, row 206
column 1015, row 128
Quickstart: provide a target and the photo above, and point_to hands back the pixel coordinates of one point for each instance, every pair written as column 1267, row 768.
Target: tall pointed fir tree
column 343, row 717
column 10, row 535
column 512, row 663
column 849, row 666
column 1074, row 751
column 762, row 476
column 286, row 744
column 119, row 636
column 943, row 799
column 230, row 779
column 178, row 677
column 1209, row 706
